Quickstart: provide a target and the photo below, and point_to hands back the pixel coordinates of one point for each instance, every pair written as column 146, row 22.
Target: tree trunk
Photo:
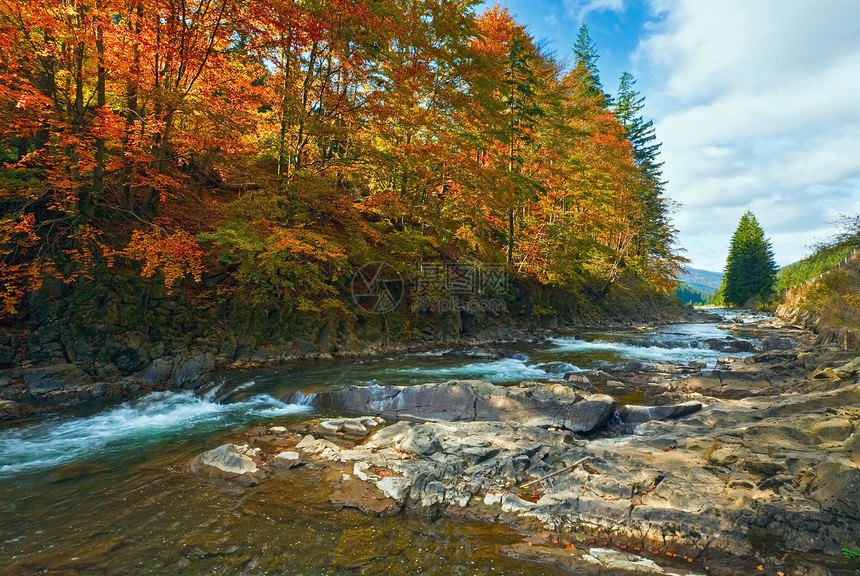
column 89, row 206
column 126, row 175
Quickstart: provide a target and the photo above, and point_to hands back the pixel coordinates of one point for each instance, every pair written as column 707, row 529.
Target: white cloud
column 551, row 19
column 579, row 9
column 756, row 104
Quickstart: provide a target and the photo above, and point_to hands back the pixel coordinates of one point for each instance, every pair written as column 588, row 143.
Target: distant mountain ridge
column 704, row 281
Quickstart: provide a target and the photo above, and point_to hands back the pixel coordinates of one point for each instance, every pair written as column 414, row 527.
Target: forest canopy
column 293, row 141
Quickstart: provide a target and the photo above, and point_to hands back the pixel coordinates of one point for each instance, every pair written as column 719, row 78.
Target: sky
column 757, row 105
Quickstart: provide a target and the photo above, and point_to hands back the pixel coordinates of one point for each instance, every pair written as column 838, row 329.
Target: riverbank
column 827, row 304
column 748, row 466
column 63, row 358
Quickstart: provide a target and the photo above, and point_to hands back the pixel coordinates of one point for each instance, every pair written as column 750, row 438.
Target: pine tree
column 750, row 270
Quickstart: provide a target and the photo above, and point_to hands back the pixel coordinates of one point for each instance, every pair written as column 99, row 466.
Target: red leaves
column 415, row 129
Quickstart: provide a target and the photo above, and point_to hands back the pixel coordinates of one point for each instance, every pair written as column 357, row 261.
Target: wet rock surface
column 533, row 404
column 752, row 467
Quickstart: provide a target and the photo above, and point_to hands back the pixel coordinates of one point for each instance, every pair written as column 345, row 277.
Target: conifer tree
column 628, row 106
column 585, row 60
column 750, row 270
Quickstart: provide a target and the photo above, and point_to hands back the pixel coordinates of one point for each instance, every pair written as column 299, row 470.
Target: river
column 103, row 491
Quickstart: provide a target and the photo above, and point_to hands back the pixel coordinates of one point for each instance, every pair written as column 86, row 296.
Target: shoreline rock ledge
column 546, row 405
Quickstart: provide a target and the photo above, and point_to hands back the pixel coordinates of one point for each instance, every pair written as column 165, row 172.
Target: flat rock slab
column 545, row 405
column 730, row 384
column 635, row 414
column 57, row 377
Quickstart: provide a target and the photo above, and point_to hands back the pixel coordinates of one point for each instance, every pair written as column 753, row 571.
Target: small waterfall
column 302, row 399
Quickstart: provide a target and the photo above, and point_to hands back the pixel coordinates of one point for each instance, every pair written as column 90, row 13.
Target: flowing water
column 105, row 492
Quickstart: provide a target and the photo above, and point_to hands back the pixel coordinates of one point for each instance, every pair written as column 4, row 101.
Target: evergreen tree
column 628, row 106
column 585, row 65
column 523, row 111
column 750, row 270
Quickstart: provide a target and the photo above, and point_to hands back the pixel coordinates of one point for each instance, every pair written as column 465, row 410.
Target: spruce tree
column 585, row 64
column 750, row 271
column 628, row 108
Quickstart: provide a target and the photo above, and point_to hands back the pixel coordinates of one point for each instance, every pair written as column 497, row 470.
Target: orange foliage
column 322, row 133
column 174, row 254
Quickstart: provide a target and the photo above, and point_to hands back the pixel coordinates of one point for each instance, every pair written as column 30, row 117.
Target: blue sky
column 757, row 105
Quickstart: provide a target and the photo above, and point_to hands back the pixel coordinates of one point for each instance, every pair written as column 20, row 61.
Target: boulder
column 189, row 370
column 12, row 409
column 848, row 370
column 580, row 381
column 634, row 414
column 824, row 372
column 159, row 370
column 227, row 461
column 773, row 343
column 732, row 384
column 730, row 345
column 546, row 405
column 287, row 459
column 477, row 353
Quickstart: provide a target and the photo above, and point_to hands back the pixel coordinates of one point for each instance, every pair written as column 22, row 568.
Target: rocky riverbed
column 749, row 467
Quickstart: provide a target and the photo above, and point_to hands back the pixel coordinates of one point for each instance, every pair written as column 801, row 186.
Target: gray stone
column 832, row 429
column 730, row 345
column 227, row 461
column 634, row 414
column 57, row 377
column 159, row 370
column 189, row 370
column 418, row 440
column 618, row 562
column 848, row 369
column 287, row 459
column 311, row 445
column 772, row 343
column 395, row 488
column 580, row 381
column 469, row 400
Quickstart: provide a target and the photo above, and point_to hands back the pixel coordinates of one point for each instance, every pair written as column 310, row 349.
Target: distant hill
column 704, row 281
column 688, row 295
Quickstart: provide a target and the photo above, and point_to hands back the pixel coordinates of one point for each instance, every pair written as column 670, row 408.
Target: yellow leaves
column 304, row 244
column 17, row 280
column 851, row 299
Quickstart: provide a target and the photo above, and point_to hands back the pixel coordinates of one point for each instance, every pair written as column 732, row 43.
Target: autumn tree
column 295, row 140
column 112, row 108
